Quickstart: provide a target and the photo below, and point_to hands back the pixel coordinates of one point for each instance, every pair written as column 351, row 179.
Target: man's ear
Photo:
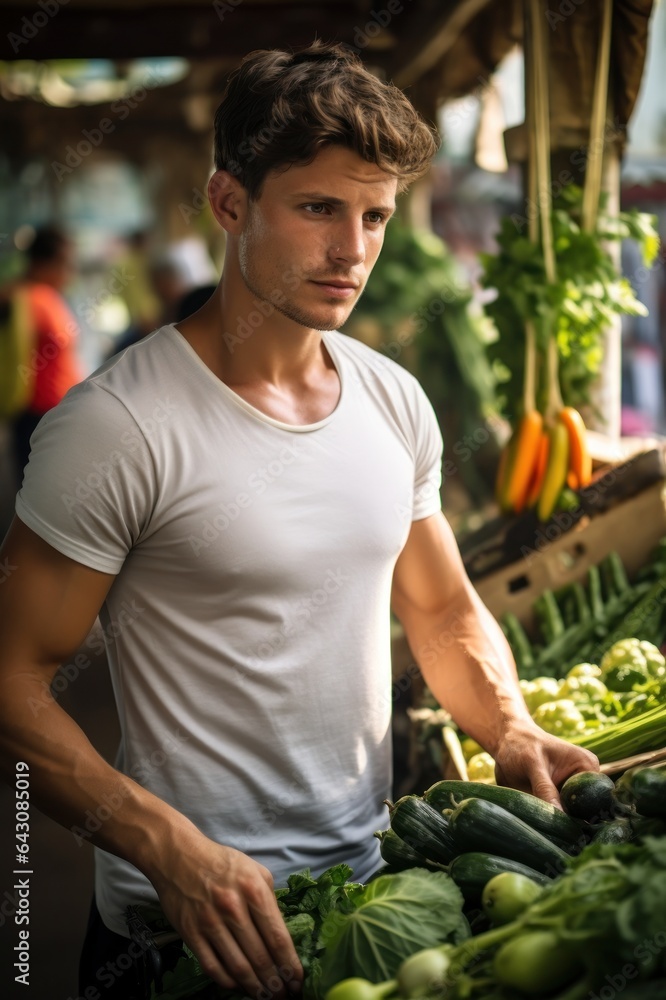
column 228, row 200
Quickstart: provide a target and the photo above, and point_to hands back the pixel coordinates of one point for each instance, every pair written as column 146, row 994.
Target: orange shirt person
column 54, row 366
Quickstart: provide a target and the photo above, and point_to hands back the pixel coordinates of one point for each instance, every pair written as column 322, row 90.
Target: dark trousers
column 108, row 963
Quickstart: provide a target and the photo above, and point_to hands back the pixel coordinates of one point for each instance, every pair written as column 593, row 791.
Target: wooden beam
column 430, row 45
column 194, row 30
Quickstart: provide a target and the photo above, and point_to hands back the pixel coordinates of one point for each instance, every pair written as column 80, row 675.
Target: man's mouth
column 336, row 288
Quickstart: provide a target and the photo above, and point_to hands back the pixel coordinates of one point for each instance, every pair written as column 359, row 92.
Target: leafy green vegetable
column 306, row 902
column 393, row 917
column 185, row 980
column 577, row 308
column 606, row 913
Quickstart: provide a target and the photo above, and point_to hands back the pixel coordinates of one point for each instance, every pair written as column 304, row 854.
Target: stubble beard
column 297, row 314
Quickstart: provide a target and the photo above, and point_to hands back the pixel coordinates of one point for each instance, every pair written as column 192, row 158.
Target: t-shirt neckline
column 327, row 337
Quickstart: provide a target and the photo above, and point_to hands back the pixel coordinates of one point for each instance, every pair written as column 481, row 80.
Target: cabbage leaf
column 393, row 917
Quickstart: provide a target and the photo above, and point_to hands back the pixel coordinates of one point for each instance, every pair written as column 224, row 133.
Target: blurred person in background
column 181, row 270
column 48, row 333
column 193, row 301
column 138, row 293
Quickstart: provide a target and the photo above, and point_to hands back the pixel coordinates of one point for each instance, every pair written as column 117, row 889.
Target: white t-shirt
column 247, row 630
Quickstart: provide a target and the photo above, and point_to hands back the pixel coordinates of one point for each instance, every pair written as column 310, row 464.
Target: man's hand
column 531, row 760
column 468, row 666
column 223, row 905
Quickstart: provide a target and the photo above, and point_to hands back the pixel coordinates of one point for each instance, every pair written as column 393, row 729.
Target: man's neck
column 279, row 367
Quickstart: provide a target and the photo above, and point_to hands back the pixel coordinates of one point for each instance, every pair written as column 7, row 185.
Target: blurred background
column 106, row 114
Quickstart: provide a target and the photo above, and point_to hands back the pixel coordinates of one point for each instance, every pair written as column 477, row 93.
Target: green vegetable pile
column 472, row 858
column 342, row 928
column 581, row 622
column 603, row 922
column 629, row 681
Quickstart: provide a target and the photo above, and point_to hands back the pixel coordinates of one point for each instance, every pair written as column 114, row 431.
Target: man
column 243, row 495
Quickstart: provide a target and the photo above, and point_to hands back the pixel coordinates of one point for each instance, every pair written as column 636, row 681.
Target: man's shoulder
column 137, row 364
column 126, row 387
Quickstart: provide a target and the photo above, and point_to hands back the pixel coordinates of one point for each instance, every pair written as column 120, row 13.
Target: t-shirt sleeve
column 428, row 455
column 90, row 485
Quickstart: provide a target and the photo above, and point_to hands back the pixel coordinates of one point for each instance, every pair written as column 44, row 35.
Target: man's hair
column 47, row 244
column 281, row 108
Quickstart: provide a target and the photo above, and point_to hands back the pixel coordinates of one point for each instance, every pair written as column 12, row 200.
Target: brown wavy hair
column 281, row 108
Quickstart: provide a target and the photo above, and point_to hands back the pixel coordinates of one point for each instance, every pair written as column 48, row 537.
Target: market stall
column 488, row 893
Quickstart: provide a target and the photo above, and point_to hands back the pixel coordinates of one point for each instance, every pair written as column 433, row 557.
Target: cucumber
column 471, row 872
column 423, row 828
column 643, row 788
column 542, row 816
column 396, row 853
column 655, row 990
column 588, row 795
column 644, row 827
column 520, row 644
column 478, row 825
column 618, row 831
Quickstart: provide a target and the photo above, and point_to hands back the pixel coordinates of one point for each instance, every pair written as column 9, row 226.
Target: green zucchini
column 520, row 644
column 423, row 828
column 644, row 827
column 618, row 831
column 588, row 795
column 549, row 616
column 655, row 990
column 594, row 589
column 398, row 854
column 471, row 872
column 644, row 789
column 540, row 815
column 478, row 825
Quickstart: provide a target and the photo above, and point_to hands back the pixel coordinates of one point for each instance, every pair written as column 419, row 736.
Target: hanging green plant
column 577, row 307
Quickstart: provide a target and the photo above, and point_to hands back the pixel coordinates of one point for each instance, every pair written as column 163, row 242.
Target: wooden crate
column 562, row 555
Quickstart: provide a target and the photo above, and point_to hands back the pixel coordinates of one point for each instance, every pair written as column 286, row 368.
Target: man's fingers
column 544, row 789
column 276, row 936
column 241, row 957
column 211, row 965
column 255, row 954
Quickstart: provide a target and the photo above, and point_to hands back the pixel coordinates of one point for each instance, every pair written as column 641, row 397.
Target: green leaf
column 394, row 916
column 185, row 980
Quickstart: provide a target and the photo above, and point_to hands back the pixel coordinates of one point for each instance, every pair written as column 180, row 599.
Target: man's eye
column 315, row 209
column 377, row 217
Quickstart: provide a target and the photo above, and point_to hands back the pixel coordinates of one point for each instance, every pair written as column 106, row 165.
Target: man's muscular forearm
column 468, row 666
column 71, row 782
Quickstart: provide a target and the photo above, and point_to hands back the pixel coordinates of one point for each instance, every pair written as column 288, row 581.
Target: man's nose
column 349, row 245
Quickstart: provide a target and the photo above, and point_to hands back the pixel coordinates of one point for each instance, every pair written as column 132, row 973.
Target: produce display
column 487, row 893
column 581, row 622
column 596, row 919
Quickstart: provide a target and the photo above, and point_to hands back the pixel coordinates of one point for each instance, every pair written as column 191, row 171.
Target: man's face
column 312, row 238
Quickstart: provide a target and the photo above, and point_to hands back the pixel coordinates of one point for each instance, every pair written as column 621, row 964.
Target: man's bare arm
column 219, row 899
column 467, row 663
